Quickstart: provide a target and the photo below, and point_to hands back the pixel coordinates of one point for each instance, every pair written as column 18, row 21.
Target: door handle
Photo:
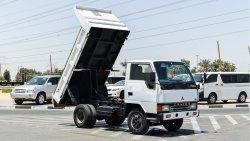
column 216, row 84
column 130, row 93
column 221, row 84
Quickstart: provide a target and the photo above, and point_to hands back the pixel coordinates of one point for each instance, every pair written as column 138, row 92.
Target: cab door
column 211, row 85
column 137, row 91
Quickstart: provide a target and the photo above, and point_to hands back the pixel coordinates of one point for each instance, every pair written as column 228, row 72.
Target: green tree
column 56, row 72
column 6, row 75
column 219, row 65
column 204, row 65
column 186, row 62
column 26, row 74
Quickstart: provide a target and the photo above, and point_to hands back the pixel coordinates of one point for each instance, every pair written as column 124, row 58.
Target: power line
column 144, row 47
column 154, row 8
column 167, row 11
column 43, row 33
column 196, row 27
column 189, row 21
column 34, row 39
column 55, row 20
column 37, row 48
column 7, row 3
column 43, row 14
column 189, row 40
column 45, row 53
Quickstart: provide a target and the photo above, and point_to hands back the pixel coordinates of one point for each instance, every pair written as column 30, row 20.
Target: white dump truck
column 157, row 92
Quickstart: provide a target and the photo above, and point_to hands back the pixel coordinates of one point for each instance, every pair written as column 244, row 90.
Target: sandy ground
column 5, row 99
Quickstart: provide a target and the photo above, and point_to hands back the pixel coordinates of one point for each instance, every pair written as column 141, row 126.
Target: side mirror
column 49, row 83
column 25, row 83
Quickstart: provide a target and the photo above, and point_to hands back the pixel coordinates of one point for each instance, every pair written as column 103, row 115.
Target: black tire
column 93, row 115
column 114, row 121
column 40, row 99
column 137, row 122
column 82, row 116
column 19, row 102
column 224, row 101
column 173, row 125
column 122, row 95
column 242, row 97
column 212, row 98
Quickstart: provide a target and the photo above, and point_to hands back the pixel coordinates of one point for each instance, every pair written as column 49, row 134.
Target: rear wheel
column 93, row 115
column 173, row 125
column 19, row 102
column 82, row 116
column 137, row 122
column 242, row 97
column 212, row 98
column 40, row 99
column 114, row 121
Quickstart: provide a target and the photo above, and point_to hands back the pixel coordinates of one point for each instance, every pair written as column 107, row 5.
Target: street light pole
column 197, row 60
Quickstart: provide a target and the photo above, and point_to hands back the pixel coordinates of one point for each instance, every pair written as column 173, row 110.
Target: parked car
column 116, row 90
column 38, row 89
column 113, row 79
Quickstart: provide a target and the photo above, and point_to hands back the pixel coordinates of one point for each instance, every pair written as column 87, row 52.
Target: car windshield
column 120, row 83
column 37, row 81
column 173, row 72
column 198, row 77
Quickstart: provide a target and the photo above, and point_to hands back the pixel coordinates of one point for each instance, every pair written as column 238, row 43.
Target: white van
column 226, row 86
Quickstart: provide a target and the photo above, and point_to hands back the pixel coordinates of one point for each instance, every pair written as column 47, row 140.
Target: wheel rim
column 79, row 116
column 41, row 99
column 136, row 121
column 212, row 99
column 242, row 97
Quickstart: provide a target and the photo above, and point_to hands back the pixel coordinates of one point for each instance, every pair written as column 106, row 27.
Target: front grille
column 180, row 107
column 20, row 90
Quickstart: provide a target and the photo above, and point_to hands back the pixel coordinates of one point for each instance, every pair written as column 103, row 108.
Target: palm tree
column 205, row 65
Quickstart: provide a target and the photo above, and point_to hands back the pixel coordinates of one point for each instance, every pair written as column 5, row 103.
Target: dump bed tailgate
column 96, row 48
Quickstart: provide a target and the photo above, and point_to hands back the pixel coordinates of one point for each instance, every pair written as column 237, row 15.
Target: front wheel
column 40, row 99
column 137, row 122
column 173, row 125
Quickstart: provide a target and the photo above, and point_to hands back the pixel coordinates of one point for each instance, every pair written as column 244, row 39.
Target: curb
column 36, row 107
column 223, row 106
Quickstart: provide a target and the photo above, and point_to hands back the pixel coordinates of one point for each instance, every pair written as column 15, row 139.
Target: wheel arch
column 243, row 92
column 131, row 106
column 42, row 92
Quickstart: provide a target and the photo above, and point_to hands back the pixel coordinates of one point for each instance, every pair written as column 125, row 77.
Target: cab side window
column 211, row 78
column 139, row 71
column 54, row 80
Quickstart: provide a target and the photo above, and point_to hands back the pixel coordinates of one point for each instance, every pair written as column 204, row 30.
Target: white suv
column 37, row 89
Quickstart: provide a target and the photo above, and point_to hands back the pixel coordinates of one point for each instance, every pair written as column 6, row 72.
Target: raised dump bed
column 92, row 57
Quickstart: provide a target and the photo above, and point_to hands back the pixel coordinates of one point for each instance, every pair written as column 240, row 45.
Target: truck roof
column 151, row 61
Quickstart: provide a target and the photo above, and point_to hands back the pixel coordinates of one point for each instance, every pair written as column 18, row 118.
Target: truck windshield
column 173, row 73
column 37, row 81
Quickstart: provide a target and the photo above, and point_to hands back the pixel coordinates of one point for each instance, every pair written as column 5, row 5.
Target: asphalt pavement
column 213, row 124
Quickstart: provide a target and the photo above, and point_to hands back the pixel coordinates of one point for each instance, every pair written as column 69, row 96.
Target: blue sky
column 31, row 31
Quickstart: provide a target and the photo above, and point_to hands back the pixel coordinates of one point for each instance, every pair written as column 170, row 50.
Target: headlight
column 193, row 106
column 30, row 91
column 165, row 108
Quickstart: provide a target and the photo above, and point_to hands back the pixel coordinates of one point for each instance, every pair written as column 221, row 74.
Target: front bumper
column 177, row 115
column 23, row 96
